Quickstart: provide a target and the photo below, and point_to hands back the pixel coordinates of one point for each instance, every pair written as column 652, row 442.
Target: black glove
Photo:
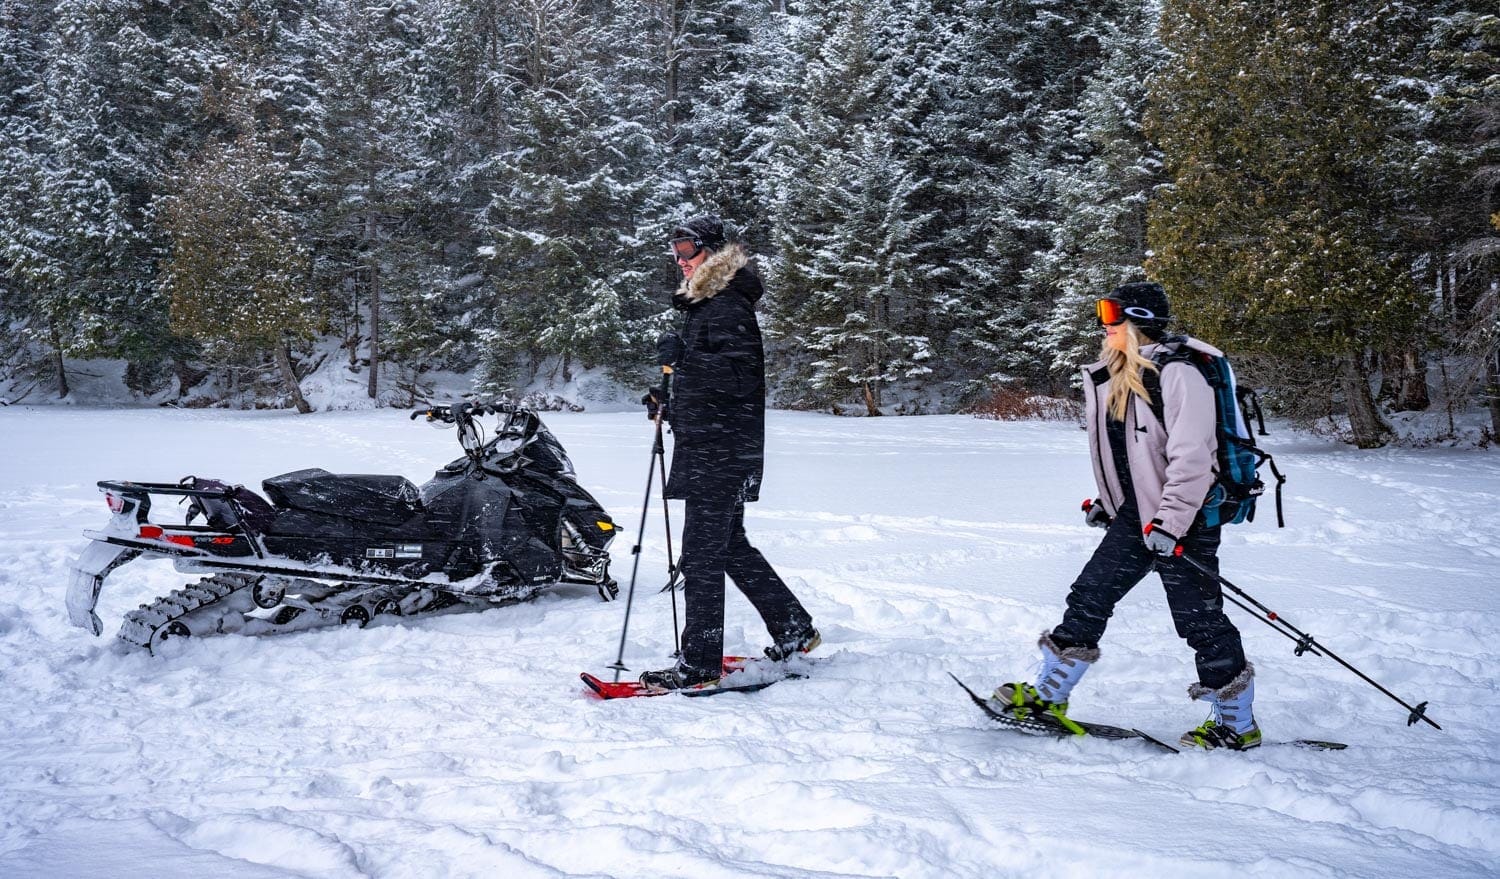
column 1160, row 541
column 655, row 402
column 1094, row 515
column 670, row 349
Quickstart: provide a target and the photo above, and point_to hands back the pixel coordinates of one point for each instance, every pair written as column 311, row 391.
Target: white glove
column 1161, row 542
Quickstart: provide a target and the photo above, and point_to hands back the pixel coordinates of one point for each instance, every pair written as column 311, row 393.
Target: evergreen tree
column 844, row 216
column 566, row 188
column 372, row 169
column 728, row 91
column 1025, row 67
column 26, row 268
column 88, row 273
column 236, row 276
column 1099, row 239
column 1464, row 134
column 1273, row 238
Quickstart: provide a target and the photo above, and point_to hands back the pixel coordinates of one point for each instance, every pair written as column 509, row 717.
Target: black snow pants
column 714, row 544
column 1197, row 602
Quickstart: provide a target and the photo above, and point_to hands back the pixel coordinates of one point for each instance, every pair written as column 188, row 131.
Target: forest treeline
column 214, row 191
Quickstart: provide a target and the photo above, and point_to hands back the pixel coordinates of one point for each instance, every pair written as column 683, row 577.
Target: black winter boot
column 805, row 642
column 680, row 677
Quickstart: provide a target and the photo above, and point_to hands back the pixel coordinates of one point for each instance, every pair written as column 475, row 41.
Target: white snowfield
column 465, row 745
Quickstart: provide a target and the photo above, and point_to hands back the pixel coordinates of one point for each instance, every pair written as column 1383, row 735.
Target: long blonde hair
column 1125, row 368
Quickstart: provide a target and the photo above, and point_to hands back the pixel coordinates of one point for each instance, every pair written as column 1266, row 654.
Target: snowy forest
column 226, row 194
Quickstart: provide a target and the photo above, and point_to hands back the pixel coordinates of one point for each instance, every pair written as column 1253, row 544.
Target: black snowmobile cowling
column 493, row 527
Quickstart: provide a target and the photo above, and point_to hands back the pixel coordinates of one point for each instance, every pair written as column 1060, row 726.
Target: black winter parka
column 718, row 408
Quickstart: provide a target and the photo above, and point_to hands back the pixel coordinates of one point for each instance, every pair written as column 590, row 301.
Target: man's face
column 688, row 255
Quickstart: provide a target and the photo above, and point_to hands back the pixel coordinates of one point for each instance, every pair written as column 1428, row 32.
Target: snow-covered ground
column 465, row 746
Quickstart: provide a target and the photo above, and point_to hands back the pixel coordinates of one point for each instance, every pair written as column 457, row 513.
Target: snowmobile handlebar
column 452, row 412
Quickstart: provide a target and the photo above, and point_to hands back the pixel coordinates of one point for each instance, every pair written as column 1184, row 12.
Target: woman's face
column 1115, row 337
column 690, row 264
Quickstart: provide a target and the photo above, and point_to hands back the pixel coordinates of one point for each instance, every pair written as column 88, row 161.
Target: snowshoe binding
column 680, row 677
column 1210, row 734
column 806, row 642
column 1047, row 699
column 1022, row 701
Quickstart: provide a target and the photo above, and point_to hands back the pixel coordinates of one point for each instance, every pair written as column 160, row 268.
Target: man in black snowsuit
column 717, row 409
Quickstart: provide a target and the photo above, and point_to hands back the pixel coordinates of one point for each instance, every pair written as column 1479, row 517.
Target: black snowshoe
column 496, row 526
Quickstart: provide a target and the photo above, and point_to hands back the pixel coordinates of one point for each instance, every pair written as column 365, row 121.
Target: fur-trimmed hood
column 714, row 275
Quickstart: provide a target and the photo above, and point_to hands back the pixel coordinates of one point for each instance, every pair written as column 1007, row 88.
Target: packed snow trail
column 465, row 745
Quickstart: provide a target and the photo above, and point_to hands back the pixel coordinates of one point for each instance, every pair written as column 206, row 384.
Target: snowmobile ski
column 1039, row 726
column 732, row 665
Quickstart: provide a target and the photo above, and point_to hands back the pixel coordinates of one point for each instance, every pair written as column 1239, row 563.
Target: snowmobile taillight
column 116, row 504
column 154, row 532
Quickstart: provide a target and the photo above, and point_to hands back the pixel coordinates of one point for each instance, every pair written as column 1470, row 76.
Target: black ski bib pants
column 714, row 544
column 1122, row 560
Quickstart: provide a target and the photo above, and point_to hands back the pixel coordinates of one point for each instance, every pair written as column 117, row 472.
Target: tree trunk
column 352, row 338
column 872, row 401
column 1492, row 392
column 567, row 367
column 59, row 369
column 1413, row 396
column 371, row 235
column 289, row 380
column 1369, row 429
column 187, row 376
column 62, row 374
column 1390, row 378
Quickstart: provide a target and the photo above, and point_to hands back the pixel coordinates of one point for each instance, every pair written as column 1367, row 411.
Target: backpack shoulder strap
column 1179, row 352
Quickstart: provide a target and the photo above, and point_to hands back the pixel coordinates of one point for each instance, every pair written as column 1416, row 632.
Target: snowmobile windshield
column 549, row 453
column 505, row 447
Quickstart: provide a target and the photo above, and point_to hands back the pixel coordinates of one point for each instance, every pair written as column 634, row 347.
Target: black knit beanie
column 1145, row 303
column 706, row 229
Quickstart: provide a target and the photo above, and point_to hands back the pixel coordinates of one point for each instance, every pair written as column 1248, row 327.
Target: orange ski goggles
column 1111, row 312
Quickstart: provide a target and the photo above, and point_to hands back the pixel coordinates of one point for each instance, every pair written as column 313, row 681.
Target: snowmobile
column 495, row 527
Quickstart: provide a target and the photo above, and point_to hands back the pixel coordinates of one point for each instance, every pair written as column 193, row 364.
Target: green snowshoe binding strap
column 1022, row 701
column 1210, row 735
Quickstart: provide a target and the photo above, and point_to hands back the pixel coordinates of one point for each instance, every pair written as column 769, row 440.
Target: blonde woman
column 1157, row 472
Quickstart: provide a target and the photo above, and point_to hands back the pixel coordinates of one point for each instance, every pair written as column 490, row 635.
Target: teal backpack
column 1237, row 484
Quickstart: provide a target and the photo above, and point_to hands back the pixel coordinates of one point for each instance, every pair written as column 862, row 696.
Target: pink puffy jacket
column 1171, row 464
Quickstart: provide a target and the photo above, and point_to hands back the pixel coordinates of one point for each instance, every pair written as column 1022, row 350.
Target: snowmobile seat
column 385, row 500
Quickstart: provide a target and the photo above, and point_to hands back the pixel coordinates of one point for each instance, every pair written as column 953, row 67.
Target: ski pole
column 660, row 454
column 1276, row 625
column 1306, row 642
column 635, row 566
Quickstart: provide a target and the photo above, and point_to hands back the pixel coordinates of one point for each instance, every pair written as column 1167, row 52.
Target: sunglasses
column 1112, row 312
column 685, row 249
